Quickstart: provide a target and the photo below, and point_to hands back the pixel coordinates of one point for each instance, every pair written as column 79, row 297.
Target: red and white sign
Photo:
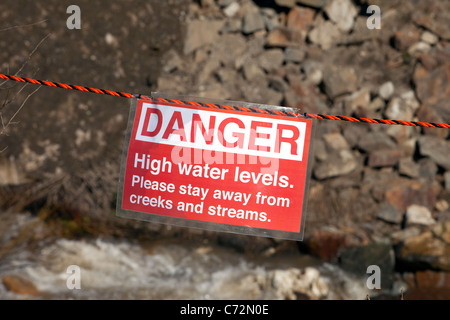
column 218, row 167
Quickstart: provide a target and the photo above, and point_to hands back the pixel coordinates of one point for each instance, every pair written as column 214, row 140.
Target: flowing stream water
column 123, row 269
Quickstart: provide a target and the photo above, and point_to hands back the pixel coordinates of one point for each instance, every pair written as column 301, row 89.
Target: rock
column 252, row 22
column 406, row 37
column 386, row 90
column 292, row 100
column 352, row 134
column 320, row 150
column 200, row 33
column 295, row 55
column 226, row 75
column 375, row 106
column 384, row 158
column 292, row 282
column 442, row 231
column 271, row 18
column 20, row 285
column 447, row 180
column 213, row 91
column 356, row 260
column 352, row 201
column 436, row 149
column 284, row 37
column 340, row 160
column 435, row 279
column 429, row 114
column 170, row 83
column 418, row 48
column 403, row 193
column 232, row 50
column 313, row 71
column 401, row 235
column 428, row 294
column 232, row 25
column 432, row 60
column 402, row 108
column 111, row 40
column 324, row 34
column 207, row 70
column 398, row 110
column 409, row 99
column 277, row 83
column 357, row 101
column 242, row 244
column 300, row 19
column 429, row 285
column 171, row 61
column 342, row 13
column 335, row 141
column 408, row 167
column 231, row 9
column 285, row 3
column 207, row 3
column 429, row 37
column 409, row 147
column 271, row 59
column 253, row 72
column 313, row 3
column 434, row 18
column 432, row 88
column 427, row 169
column 428, row 250
column 11, row 173
column 401, row 135
column 258, row 94
column 339, row 80
column 224, row 3
column 327, row 244
column 304, row 95
column 388, row 213
column 416, row 214
column 443, row 216
column 374, row 141
column 377, row 180
column 442, row 205
column 359, row 33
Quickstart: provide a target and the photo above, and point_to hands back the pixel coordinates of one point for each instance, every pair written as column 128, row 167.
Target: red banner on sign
column 215, row 169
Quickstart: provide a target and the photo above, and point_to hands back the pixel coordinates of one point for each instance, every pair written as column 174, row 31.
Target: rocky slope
column 379, row 194
column 387, row 185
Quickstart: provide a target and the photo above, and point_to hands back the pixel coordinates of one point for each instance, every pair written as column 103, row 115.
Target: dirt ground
column 118, row 47
column 72, row 135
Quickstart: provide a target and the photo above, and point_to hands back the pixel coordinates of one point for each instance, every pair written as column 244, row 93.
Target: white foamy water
column 125, row 270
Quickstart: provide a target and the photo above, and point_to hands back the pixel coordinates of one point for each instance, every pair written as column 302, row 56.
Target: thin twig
column 17, row 111
column 28, row 58
column 6, row 101
column 22, row 26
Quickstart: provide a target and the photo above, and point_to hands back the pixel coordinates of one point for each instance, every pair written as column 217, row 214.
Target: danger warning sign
column 222, row 170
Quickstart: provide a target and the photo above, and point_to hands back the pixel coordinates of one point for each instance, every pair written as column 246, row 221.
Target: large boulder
column 428, row 250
